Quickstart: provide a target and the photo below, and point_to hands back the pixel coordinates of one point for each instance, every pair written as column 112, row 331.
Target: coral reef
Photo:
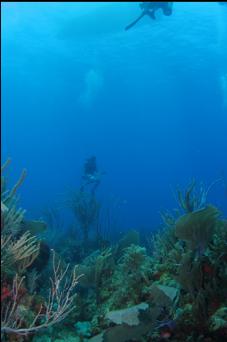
column 23, row 311
column 174, row 289
column 180, row 279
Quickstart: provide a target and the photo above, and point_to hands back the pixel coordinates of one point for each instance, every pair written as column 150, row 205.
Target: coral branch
column 18, row 183
column 4, row 166
column 58, row 306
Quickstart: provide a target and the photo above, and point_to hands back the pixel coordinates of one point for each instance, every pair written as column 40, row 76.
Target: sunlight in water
column 93, row 83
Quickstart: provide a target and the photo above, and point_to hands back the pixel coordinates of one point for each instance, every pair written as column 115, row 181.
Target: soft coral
column 5, row 293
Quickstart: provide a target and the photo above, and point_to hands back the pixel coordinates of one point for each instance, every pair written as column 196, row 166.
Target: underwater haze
column 114, row 172
column 150, row 103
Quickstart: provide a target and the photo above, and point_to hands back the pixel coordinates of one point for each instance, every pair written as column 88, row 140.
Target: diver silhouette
column 149, row 8
column 91, row 175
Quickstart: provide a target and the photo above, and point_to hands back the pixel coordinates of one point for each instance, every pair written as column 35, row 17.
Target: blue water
column 150, row 103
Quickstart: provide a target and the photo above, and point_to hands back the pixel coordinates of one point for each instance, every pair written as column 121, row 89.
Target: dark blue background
column 150, row 103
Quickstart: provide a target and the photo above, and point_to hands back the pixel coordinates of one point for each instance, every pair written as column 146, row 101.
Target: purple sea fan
column 167, row 324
